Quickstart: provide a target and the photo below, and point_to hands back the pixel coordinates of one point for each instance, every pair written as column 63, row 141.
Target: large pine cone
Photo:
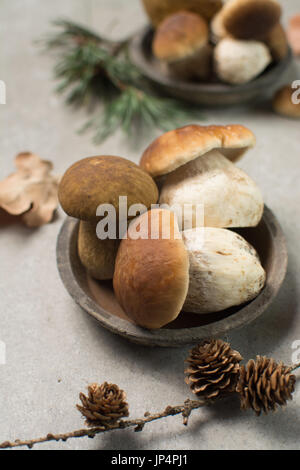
column 104, row 405
column 264, row 384
column 213, row 369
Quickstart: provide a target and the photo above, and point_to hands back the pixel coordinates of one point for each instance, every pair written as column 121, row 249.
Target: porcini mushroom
column 152, row 272
column 225, row 270
column 195, row 160
column 98, row 180
column 181, row 44
column 199, row 270
column 249, row 19
column 238, row 61
column 227, row 196
column 179, row 146
column 97, row 256
column 158, row 10
column 286, row 102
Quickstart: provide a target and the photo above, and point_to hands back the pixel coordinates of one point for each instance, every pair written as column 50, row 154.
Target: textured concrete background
column 53, row 348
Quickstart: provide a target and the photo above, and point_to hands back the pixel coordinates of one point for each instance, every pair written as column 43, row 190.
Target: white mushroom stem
column 229, row 197
column 239, row 62
column 224, row 270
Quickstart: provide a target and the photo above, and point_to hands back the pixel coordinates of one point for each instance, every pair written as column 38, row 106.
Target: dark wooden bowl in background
column 98, row 299
column 207, row 94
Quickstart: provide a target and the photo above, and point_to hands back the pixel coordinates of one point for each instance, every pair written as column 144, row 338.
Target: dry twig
column 94, row 400
column 138, row 424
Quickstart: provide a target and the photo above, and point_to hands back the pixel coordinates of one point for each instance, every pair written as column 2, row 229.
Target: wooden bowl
column 214, row 93
column 98, row 299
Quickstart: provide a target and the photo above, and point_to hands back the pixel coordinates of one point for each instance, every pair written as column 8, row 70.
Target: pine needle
column 92, row 68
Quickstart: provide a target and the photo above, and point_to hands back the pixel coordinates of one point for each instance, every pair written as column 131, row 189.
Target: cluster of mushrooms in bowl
column 205, row 268
column 232, row 43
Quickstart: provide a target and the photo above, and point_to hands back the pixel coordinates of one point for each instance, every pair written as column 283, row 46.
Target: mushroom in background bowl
column 181, row 44
column 240, row 62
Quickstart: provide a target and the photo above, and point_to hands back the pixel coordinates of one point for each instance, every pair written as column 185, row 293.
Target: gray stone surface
column 53, row 348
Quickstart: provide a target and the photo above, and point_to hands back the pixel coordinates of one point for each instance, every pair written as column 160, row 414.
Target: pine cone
column 104, row 405
column 213, row 369
column 264, row 384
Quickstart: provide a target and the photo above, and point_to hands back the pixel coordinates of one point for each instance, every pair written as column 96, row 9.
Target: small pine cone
column 213, row 369
column 104, row 405
column 264, row 384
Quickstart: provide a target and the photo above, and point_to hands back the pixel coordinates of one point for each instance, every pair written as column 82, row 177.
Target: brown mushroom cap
column 250, row 19
column 158, row 10
column 283, row 102
column 97, row 256
column 101, row 180
column 217, row 28
column 152, row 275
column 277, row 42
column 175, row 148
column 180, row 35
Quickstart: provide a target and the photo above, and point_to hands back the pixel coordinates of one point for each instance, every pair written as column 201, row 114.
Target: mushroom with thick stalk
column 151, row 275
column 181, row 44
column 201, row 270
column 196, row 163
column 225, row 271
column 99, row 182
column 248, row 19
column 275, row 38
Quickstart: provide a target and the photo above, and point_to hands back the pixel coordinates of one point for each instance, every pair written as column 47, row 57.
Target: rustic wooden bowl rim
column 173, row 337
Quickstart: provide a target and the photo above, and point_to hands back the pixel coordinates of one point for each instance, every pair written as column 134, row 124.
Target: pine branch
column 94, row 69
column 71, row 33
column 135, row 111
column 185, row 410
